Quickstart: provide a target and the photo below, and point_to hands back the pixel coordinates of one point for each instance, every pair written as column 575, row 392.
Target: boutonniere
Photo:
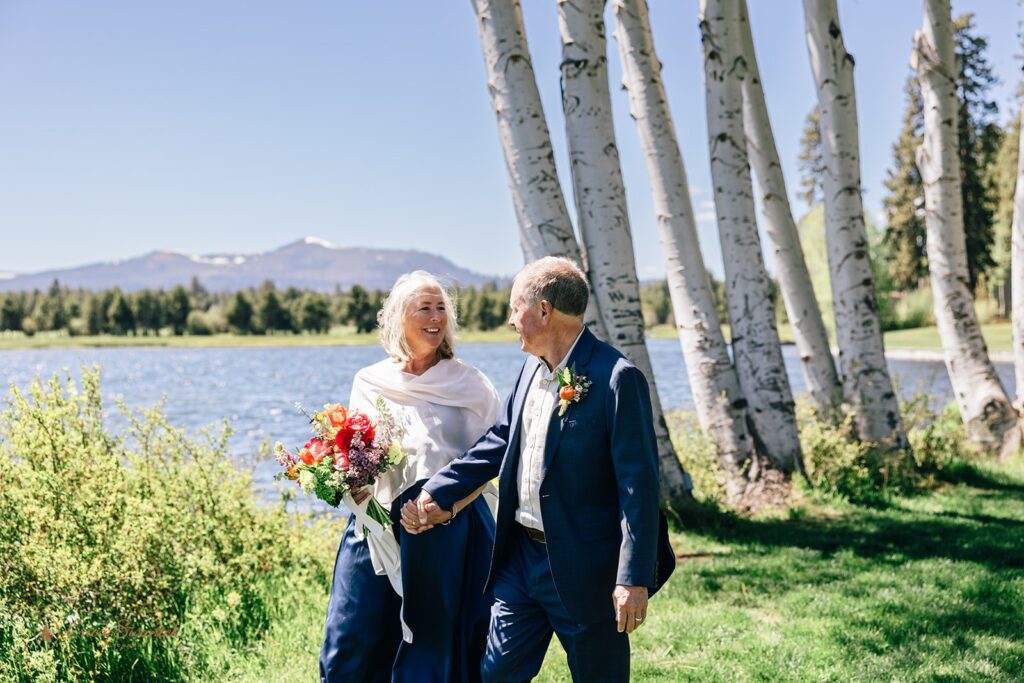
column 571, row 388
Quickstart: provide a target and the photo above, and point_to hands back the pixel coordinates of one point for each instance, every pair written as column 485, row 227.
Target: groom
column 578, row 523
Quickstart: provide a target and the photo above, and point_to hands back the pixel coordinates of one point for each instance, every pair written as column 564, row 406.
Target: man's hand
column 630, row 607
column 422, row 514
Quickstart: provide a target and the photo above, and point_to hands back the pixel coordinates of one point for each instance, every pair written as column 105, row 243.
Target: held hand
column 422, row 514
column 630, row 607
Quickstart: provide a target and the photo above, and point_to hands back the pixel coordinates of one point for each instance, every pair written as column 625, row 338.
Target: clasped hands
column 629, row 602
column 422, row 514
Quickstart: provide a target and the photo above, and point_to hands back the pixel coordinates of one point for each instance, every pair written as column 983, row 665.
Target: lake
column 256, row 388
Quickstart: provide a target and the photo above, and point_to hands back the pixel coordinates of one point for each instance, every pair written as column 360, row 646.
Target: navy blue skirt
column 443, row 575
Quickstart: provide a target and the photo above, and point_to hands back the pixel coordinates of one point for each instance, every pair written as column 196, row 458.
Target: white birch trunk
column 545, row 228
column 601, row 206
column 721, row 408
column 1017, row 269
column 866, row 382
column 984, row 405
column 791, row 269
column 755, row 339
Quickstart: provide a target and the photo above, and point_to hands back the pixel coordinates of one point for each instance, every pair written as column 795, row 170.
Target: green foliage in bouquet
column 141, row 555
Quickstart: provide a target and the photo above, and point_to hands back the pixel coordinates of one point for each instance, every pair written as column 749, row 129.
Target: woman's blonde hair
column 391, row 316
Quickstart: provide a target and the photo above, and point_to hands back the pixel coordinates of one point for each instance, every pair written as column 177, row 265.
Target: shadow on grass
column 891, row 533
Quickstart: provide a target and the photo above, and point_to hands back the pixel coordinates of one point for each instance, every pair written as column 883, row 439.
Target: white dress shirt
column 541, row 398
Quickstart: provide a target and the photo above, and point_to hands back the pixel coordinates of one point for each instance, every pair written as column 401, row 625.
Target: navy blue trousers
column 443, row 575
column 527, row 610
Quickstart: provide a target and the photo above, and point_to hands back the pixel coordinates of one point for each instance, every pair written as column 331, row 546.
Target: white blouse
column 441, row 413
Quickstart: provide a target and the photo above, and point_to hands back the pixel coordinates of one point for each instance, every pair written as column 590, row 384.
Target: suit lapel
column 578, row 359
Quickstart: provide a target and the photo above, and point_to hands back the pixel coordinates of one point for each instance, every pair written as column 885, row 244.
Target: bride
column 443, row 406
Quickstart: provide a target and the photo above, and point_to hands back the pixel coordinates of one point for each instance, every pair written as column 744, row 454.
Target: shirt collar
column 550, row 376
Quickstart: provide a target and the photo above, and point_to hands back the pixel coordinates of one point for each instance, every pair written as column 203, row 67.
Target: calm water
column 256, row 388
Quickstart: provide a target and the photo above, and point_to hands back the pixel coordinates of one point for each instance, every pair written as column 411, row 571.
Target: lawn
column 927, row 588
column 997, row 336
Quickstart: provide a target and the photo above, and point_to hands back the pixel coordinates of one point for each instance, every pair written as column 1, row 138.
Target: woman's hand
column 359, row 495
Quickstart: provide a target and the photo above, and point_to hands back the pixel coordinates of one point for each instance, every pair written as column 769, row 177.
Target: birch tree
column 755, row 339
column 866, row 382
column 985, row 407
column 601, row 205
column 545, row 228
column 1017, row 267
column 794, row 280
column 721, row 408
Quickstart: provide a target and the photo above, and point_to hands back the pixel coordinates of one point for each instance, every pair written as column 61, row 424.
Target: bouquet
column 348, row 451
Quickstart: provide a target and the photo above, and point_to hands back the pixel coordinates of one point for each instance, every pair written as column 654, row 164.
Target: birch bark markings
column 985, row 407
column 721, row 408
column 1017, row 269
column 755, row 339
column 866, row 382
column 545, row 228
column 791, row 269
column 601, row 206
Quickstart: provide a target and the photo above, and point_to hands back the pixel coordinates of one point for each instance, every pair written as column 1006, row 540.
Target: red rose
column 342, row 439
column 358, row 422
column 319, row 450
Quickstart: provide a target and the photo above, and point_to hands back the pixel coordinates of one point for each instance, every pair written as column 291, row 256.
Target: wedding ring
column 638, row 619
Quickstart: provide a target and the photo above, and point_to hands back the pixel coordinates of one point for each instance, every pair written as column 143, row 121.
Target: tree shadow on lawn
column 904, row 615
column 891, row 531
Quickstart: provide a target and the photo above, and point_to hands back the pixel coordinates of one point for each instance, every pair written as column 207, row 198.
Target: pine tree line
column 193, row 310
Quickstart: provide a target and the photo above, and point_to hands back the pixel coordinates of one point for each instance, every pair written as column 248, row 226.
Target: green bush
column 697, row 456
column 141, row 556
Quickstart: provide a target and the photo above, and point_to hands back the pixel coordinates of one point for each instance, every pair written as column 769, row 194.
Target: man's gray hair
column 556, row 280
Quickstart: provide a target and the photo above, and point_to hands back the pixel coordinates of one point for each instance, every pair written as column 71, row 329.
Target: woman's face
column 426, row 321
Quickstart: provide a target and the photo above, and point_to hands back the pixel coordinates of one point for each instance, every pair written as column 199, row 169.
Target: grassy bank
column 148, row 557
column 338, row 336
column 927, row 588
column 997, row 336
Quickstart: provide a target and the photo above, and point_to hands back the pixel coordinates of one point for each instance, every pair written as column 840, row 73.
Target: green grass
column 928, row 588
column 670, row 332
column 998, row 336
column 338, row 336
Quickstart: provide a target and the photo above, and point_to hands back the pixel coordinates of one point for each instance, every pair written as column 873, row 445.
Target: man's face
column 527, row 320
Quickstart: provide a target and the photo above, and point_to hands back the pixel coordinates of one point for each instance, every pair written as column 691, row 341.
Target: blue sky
column 238, row 126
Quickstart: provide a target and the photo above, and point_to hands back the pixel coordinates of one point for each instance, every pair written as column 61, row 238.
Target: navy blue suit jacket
column 599, row 494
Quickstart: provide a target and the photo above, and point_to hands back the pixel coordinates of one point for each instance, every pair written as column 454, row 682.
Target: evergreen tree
column 273, row 315
column 149, row 314
column 904, row 239
column 12, row 312
column 360, row 311
column 240, row 314
column 979, row 141
column 121, row 318
column 316, row 313
column 176, row 309
column 812, row 164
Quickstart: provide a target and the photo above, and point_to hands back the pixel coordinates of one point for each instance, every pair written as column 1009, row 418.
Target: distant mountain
column 310, row 263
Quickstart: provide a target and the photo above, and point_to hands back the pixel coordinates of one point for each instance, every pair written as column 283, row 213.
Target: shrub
column 697, row 456
column 142, row 556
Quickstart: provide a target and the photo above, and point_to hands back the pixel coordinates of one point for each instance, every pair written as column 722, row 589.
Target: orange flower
column 337, row 415
column 567, row 392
